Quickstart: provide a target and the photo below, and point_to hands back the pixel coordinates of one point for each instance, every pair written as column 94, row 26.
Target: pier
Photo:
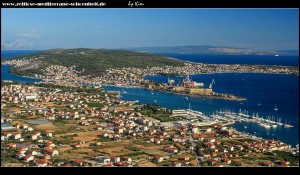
column 230, row 117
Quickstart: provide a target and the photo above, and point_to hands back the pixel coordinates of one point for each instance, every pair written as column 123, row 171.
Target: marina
column 244, row 117
column 227, row 117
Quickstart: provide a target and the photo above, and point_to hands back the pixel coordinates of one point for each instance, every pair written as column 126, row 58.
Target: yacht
column 265, row 125
column 275, row 109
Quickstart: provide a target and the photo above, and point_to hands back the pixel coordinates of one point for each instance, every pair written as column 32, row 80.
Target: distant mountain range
column 211, row 50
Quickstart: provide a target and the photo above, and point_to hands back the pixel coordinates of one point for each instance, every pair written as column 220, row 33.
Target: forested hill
column 94, row 61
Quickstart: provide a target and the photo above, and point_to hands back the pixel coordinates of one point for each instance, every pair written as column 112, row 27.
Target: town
column 50, row 125
column 134, row 77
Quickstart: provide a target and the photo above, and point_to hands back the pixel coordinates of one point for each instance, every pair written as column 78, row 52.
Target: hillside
column 94, row 61
column 210, row 50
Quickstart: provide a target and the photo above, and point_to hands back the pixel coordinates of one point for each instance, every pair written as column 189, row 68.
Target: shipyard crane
column 212, row 82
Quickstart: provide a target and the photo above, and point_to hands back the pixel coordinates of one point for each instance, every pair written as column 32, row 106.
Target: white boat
column 274, row 126
column 155, row 101
column 276, row 55
column 265, row 125
column 275, row 109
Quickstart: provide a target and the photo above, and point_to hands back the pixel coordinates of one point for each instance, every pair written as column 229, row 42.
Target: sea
column 263, row 92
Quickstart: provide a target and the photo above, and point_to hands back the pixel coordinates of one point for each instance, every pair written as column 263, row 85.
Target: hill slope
column 94, row 61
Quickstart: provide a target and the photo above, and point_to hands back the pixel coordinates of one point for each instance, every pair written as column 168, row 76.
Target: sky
column 48, row 28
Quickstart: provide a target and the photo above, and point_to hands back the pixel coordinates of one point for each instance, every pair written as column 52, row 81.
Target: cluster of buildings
column 217, row 149
column 37, row 154
column 21, row 62
column 116, row 120
column 131, row 76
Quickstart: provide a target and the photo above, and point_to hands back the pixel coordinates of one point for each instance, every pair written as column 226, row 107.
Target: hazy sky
column 263, row 29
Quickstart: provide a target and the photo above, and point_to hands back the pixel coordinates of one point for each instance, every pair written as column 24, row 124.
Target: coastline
column 225, row 73
column 20, row 75
column 134, row 87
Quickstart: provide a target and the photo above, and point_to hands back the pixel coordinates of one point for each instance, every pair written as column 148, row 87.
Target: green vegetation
column 69, row 136
column 94, row 61
column 8, row 155
column 235, row 163
column 85, row 89
column 155, row 109
column 94, row 104
column 134, row 154
column 104, row 139
column 131, row 148
column 59, row 120
column 157, row 112
column 282, row 155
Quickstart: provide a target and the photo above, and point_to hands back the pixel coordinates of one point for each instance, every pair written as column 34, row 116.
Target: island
column 78, row 67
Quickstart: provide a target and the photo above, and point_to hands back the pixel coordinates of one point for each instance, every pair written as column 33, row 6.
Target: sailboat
column 275, row 109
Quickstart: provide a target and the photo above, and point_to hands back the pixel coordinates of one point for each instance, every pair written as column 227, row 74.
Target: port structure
column 189, row 86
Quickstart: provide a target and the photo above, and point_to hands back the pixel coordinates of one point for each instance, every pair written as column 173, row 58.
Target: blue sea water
column 4, row 69
column 237, row 59
column 267, row 89
column 11, row 53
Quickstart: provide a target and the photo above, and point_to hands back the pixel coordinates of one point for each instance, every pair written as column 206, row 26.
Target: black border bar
column 150, row 4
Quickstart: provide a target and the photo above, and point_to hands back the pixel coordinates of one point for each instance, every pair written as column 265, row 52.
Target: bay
column 267, row 89
column 5, row 75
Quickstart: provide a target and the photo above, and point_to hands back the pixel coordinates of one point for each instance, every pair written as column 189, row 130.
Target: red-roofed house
column 50, row 151
column 28, row 158
column 77, row 162
column 20, row 156
column 11, row 145
column 158, row 159
column 267, row 163
column 226, row 160
column 177, row 164
column 40, row 162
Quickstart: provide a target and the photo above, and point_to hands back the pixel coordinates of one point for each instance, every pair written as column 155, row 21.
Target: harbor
column 228, row 117
column 244, row 117
column 255, row 103
column 254, row 87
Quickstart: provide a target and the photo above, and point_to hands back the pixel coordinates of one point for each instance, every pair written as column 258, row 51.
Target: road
column 194, row 145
